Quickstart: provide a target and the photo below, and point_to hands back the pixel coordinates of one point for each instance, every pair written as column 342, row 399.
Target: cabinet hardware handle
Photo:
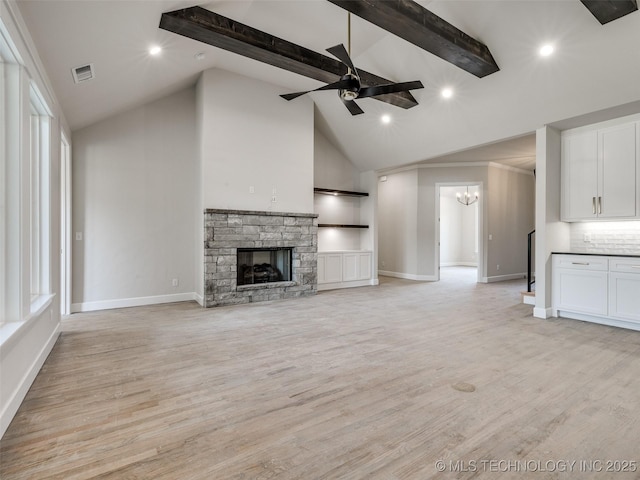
column 599, row 205
column 580, row 263
column 593, row 204
column 634, row 266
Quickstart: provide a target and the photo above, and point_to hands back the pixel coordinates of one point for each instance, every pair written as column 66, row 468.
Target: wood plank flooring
column 366, row 383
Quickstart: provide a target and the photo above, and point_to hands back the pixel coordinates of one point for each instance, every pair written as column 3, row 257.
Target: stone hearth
column 227, row 230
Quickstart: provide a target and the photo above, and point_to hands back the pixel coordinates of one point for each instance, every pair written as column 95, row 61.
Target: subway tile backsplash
column 613, row 238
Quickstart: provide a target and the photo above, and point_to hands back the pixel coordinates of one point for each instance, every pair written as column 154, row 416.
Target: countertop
column 595, row 254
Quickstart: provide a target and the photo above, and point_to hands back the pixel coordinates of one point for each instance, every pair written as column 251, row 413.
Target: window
column 39, row 196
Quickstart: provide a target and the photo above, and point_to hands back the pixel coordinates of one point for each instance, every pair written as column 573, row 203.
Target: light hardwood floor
column 368, row 383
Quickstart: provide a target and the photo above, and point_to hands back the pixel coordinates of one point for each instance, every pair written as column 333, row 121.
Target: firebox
column 263, row 265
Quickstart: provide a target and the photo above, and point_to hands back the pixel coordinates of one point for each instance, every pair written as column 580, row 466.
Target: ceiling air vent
column 83, row 73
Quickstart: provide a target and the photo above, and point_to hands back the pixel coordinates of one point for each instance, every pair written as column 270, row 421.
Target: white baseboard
column 408, row 276
column 529, row 300
column 25, row 384
column 358, row 283
column 503, row 278
column 133, row 302
column 459, row 264
column 198, row 298
column 542, row 312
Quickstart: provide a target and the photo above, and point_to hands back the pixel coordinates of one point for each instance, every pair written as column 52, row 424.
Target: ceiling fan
column 349, row 86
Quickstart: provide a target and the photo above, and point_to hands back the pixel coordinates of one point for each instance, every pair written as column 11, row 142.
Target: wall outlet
column 252, row 189
column 78, row 235
column 587, row 238
column 175, row 282
column 273, row 198
column 497, row 267
column 490, row 237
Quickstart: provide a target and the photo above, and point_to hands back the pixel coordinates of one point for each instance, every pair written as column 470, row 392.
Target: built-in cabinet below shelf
column 344, row 269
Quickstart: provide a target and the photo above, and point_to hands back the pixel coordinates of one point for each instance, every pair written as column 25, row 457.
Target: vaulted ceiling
column 594, row 67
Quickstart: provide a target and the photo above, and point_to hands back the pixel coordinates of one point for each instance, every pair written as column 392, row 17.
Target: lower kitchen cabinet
column 597, row 288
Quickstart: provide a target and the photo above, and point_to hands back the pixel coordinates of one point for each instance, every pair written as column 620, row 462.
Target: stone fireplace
column 256, row 256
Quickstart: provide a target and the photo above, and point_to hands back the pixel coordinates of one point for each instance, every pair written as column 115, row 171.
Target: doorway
column 459, row 256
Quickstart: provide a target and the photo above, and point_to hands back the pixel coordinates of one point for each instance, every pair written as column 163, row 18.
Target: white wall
column 28, row 329
column 551, row 233
column 253, row 138
column 331, row 169
column 398, row 225
column 511, row 216
column 407, row 219
column 135, row 203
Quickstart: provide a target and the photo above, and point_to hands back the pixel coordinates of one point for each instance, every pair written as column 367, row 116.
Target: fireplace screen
column 264, row 265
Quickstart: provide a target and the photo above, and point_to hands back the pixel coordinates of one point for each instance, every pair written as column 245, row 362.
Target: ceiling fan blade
column 291, row 96
column 330, row 86
column 389, row 88
column 352, row 107
column 341, row 54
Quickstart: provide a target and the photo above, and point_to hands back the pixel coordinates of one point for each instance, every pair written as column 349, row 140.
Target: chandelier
column 466, row 198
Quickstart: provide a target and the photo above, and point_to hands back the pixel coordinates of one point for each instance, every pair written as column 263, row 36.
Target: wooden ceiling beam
column 211, row 28
column 608, row 10
column 416, row 24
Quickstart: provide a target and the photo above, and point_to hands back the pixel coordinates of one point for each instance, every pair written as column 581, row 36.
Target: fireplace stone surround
column 227, row 230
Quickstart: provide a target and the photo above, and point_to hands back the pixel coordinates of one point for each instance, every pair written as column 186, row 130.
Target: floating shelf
column 337, row 225
column 340, row 193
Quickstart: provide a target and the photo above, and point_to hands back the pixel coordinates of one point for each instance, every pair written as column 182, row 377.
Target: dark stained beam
column 608, row 10
column 208, row 27
column 416, row 24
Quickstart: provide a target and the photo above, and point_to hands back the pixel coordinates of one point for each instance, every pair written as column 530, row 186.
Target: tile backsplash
column 617, row 238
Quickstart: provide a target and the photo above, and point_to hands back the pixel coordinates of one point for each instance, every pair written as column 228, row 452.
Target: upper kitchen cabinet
column 600, row 167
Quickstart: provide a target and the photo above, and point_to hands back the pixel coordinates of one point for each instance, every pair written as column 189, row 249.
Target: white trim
column 503, row 278
column 543, row 313
column 408, row 276
column 529, row 300
column 601, row 320
column 198, row 298
column 12, row 405
column 336, row 285
column 482, row 206
column 133, row 302
column 459, row 264
column 420, row 166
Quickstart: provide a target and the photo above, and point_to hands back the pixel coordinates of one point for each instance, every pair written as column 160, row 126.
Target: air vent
column 83, row 73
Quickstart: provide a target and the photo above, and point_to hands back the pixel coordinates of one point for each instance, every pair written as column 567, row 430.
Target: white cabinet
column 597, row 288
column 344, row 269
column 580, row 284
column 599, row 172
column 624, row 289
column 329, row 267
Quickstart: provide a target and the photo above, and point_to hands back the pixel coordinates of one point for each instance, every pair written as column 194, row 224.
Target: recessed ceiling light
column 385, row 119
column 447, row 93
column 546, row 50
column 155, row 50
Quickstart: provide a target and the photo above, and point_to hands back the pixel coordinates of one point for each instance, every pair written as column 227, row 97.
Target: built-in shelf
column 337, row 225
column 340, row 193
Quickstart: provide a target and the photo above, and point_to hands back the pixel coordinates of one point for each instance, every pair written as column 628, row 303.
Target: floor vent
column 83, row 73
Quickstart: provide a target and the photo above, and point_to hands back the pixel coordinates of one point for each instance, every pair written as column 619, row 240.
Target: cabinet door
column 350, row 267
column 365, row 266
column 617, row 172
column 579, row 175
column 580, row 291
column 624, row 296
column 329, row 268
